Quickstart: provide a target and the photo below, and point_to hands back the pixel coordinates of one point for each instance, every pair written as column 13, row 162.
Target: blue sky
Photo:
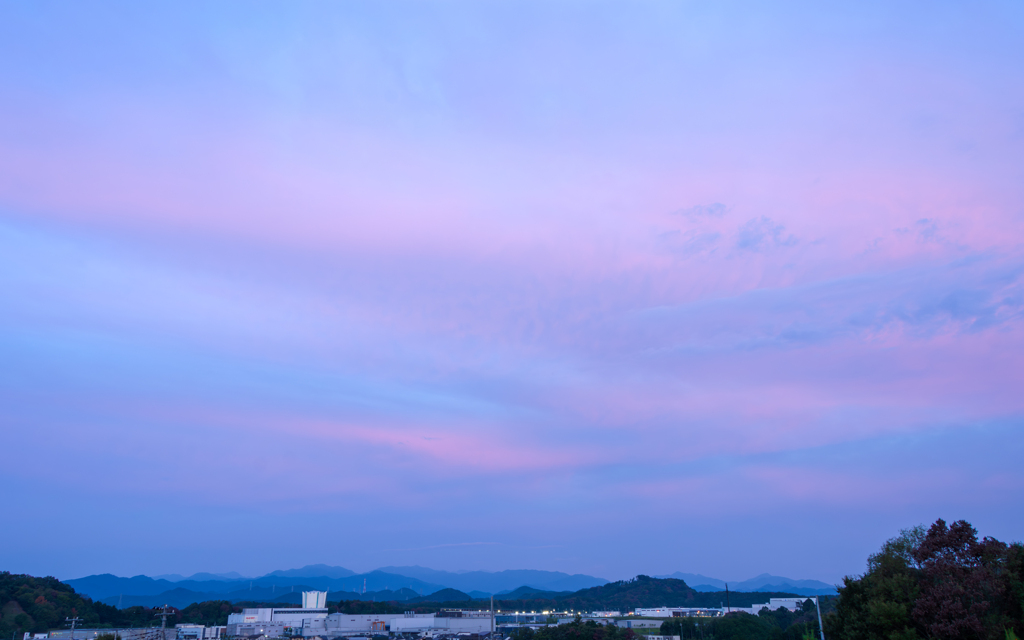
column 608, row 288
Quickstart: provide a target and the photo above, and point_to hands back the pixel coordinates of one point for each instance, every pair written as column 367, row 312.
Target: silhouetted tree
column 940, row 584
column 961, row 585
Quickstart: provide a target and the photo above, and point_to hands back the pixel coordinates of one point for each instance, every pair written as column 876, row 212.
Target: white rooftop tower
column 314, row 599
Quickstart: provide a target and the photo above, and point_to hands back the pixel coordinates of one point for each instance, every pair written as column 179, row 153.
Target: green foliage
column 878, row 605
column 577, row 630
column 781, row 624
column 641, row 591
column 940, row 584
column 734, row 625
column 37, row 605
column 212, row 613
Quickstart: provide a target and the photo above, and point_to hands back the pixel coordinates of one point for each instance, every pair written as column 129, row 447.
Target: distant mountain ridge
column 176, row 577
column 317, row 571
column 420, row 580
column 393, row 583
column 107, row 586
column 498, row 581
column 762, row 583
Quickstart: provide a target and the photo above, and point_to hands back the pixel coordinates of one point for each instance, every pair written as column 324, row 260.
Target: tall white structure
column 273, row 623
column 314, row 599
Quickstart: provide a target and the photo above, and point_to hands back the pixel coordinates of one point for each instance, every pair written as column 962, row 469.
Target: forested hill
column 38, row 604
column 35, row 604
column 644, row 591
column 641, row 591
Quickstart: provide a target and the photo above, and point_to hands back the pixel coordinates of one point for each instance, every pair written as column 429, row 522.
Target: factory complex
column 313, row 620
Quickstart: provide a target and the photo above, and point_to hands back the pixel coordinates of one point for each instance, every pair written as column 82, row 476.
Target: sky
column 597, row 287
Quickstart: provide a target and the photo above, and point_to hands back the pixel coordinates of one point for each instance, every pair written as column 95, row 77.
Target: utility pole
column 73, row 622
column 164, row 612
column 821, row 627
column 492, row 616
column 729, row 606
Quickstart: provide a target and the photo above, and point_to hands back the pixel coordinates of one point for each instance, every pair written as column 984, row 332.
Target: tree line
column 942, row 583
column 36, row 605
column 781, row 624
column 578, row 630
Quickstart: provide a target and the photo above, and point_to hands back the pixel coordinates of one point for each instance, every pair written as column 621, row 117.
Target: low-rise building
column 448, row 621
column 189, row 631
column 677, row 612
column 630, row 623
column 793, row 604
column 344, row 624
column 272, row 622
column 198, row 632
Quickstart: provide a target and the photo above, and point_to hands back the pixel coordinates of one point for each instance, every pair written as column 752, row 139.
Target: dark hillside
column 36, row 605
column 444, row 595
column 39, row 604
column 526, row 593
column 641, row 591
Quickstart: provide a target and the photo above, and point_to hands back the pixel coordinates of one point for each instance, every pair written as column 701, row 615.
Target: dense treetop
column 940, row 584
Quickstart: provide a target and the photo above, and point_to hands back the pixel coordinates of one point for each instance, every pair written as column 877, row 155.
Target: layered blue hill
column 762, row 583
column 388, row 583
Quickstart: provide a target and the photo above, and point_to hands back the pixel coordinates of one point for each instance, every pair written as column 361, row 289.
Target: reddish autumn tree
column 961, row 583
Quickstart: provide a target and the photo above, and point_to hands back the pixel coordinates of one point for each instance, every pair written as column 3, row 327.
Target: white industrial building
column 279, row 622
column 313, row 620
column 793, row 604
column 443, row 622
column 639, row 624
column 344, row 624
column 198, row 632
column 272, row 623
column 677, row 612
